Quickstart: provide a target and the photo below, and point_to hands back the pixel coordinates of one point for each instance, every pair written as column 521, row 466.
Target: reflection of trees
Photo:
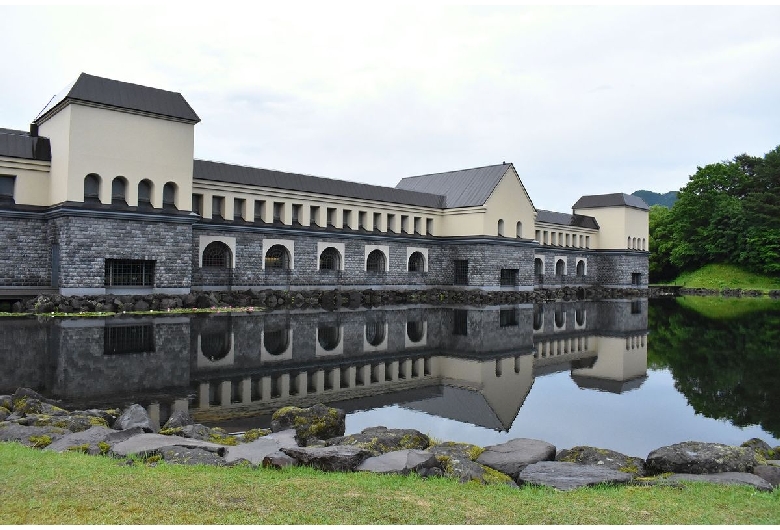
column 726, row 368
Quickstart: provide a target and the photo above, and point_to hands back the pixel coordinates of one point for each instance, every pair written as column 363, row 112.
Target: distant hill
column 652, row 198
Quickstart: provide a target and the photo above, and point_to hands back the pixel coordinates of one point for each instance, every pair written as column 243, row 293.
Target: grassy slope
column 720, row 308
column 49, row 488
column 719, row 276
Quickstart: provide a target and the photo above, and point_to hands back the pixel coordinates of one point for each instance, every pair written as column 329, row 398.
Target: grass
column 720, row 308
column 71, row 488
column 720, row 276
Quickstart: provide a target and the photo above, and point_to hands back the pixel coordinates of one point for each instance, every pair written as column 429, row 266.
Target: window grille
column 216, row 254
column 461, row 272
column 216, row 345
column 129, row 273
column 375, row 261
column 508, row 317
column 416, row 262
column 276, row 342
column 128, row 339
column 330, row 259
column 277, row 257
column 509, row 276
column 328, row 337
column 375, row 333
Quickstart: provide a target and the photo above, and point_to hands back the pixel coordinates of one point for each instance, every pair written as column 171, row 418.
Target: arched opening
column 169, row 195
column 217, row 255
column 276, row 342
column 119, row 191
column 538, row 317
column 216, row 339
column 579, row 316
column 415, row 330
column 519, row 231
column 581, row 268
column 145, row 193
column 328, row 337
column 375, row 333
column 628, row 243
column 375, row 262
column 92, row 188
column 277, row 257
column 538, row 267
column 560, row 318
column 560, row 267
column 416, row 262
column 501, row 228
column 330, row 259
column 644, row 243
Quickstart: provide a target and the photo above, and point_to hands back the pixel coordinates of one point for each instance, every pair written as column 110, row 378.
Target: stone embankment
column 315, row 437
column 328, row 299
column 663, row 291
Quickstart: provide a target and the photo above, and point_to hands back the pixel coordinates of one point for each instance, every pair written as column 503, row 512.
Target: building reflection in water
column 474, row 365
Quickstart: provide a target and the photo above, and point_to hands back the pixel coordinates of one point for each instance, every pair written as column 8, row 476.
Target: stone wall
column 25, row 260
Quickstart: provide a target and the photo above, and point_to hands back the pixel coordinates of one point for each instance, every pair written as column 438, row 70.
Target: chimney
column 33, row 129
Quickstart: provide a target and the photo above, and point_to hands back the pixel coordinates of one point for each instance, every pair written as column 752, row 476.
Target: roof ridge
column 457, row 170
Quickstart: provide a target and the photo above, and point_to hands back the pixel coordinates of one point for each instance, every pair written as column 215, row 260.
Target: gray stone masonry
column 25, row 253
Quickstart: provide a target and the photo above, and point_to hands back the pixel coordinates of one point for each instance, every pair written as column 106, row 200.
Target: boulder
column 30, row 436
column 769, row 473
column 6, row 402
column 762, row 449
column 401, row 462
column 253, row 452
column 314, row 423
column 4, row 413
column 331, row 458
column 146, row 443
column 279, row 460
column 513, row 456
column 603, row 457
column 176, row 454
column 135, row 416
column 381, row 440
column 91, row 441
column 700, row 458
column 75, row 422
column 180, row 418
column 457, row 461
column 733, row 478
column 568, row 475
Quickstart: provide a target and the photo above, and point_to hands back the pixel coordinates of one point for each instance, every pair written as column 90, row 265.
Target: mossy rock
column 763, row 450
column 381, row 440
column 603, row 457
column 73, row 423
column 4, row 413
column 253, row 434
column 6, row 402
column 470, row 451
column 311, row 424
column 41, row 441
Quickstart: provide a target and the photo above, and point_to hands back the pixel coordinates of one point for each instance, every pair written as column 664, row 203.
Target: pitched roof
column 566, row 219
column 99, row 90
column 610, row 199
column 19, row 144
column 221, row 172
column 466, row 187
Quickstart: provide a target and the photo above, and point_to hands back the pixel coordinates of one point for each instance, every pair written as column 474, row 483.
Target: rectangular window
column 460, row 322
column 391, row 222
column 461, row 272
column 259, row 211
column 331, row 217
column 128, row 339
column 587, row 241
column 568, row 240
column 377, row 221
column 278, row 212
column 361, row 220
column 538, row 235
column 418, row 225
column 544, row 237
column 314, row 214
column 429, row 226
column 509, row 276
column 197, row 203
column 636, row 278
column 404, row 224
column 129, row 273
column 296, row 214
column 346, row 219
column 217, row 207
column 553, row 238
column 508, row 317
column 239, row 209
column 636, row 307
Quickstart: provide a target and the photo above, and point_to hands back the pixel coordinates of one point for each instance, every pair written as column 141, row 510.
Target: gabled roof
column 466, row 187
column 19, row 144
column 610, row 199
column 118, row 94
column 566, row 219
column 221, row 172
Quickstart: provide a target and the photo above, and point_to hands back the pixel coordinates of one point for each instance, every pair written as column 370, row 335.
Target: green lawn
column 719, row 276
column 49, row 488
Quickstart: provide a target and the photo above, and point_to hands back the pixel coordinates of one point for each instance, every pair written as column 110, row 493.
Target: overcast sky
column 582, row 100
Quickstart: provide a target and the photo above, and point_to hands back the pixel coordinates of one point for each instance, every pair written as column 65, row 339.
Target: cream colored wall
column 462, row 222
column 559, row 230
column 31, row 185
column 619, row 359
column 112, row 143
column 617, row 224
column 509, row 201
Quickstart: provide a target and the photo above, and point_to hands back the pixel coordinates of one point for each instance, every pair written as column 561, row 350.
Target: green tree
column 661, row 244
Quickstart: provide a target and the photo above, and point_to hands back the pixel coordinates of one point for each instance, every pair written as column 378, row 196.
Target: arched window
column 415, row 330
column 277, row 257
column 643, row 244
column 581, row 268
column 416, row 262
column 501, row 227
column 119, row 191
column 169, row 195
column 628, row 244
column 216, row 339
column 276, row 342
column 560, row 318
column 217, row 255
column 92, row 188
column 560, row 267
column 145, row 193
column 579, row 316
column 538, row 317
column 519, row 232
column 375, row 262
column 328, row 337
column 330, row 259
column 538, row 267
column 375, row 333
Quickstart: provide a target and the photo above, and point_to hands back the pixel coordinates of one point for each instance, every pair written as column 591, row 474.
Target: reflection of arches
column 375, row 262
column 215, row 345
column 560, row 318
column 415, row 330
column 560, row 267
column 330, row 259
column 579, row 317
column 169, row 195
column 119, row 191
column 276, row 342
column 501, row 227
column 581, row 268
column 538, row 266
column 92, row 188
column 328, row 337
column 375, row 333
column 277, row 257
column 217, row 254
column 145, row 193
column 538, row 317
column 416, row 262
column 519, row 230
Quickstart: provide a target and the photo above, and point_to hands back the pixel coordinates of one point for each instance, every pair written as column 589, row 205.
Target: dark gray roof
column 466, row 187
column 102, row 91
column 464, row 405
column 220, row 172
column 566, row 219
column 19, row 144
column 610, row 199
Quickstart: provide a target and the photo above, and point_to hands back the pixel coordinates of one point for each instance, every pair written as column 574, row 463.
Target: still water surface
column 625, row 375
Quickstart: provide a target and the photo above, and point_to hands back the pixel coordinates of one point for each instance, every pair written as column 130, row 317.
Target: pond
column 628, row 375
